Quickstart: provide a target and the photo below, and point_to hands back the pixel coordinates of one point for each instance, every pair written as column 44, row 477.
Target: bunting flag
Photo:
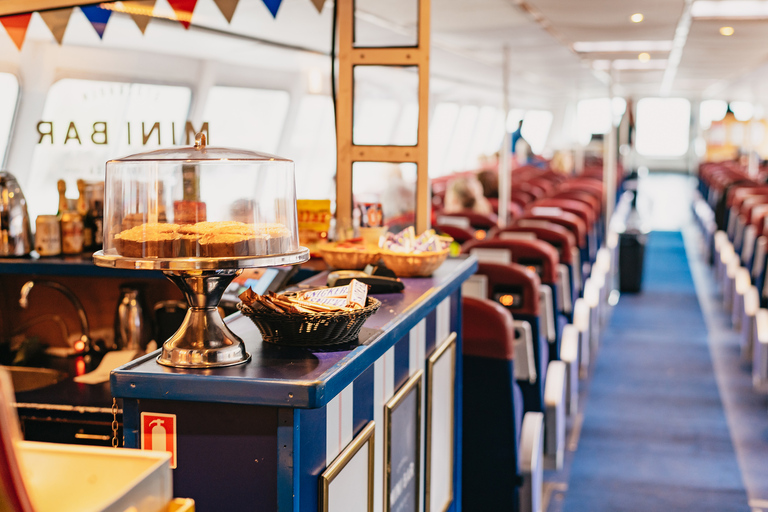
column 98, row 17
column 227, row 8
column 57, row 22
column 318, row 4
column 183, row 10
column 140, row 12
column 16, row 26
column 273, row 6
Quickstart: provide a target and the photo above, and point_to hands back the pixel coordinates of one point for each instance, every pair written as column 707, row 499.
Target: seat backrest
column 554, row 234
column 493, row 406
column 519, row 282
column 579, row 209
column 566, row 219
column 536, row 254
column 476, row 220
column 585, row 197
column 488, row 329
column 459, row 234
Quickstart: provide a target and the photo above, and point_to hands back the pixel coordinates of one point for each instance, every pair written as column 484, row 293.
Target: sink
column 27, row 379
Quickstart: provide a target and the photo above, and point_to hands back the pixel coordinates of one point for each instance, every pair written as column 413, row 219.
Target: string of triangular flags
column 141, row 11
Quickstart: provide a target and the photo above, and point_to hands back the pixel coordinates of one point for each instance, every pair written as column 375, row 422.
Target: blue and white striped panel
column 339, row 423
column 348, row 412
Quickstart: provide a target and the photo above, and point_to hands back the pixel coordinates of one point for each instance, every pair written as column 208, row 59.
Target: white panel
column 348, row 492
column 383, row 389
column 485, row 255
column 441, row 452
column 332, row 429
column 443, row 327
column 417, row 346
column 517, row 235
column 475, row 286
column 460, row 222
column 346, row 427
column 378, row 445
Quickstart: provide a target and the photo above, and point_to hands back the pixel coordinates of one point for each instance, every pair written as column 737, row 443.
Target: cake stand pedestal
column 202, row 340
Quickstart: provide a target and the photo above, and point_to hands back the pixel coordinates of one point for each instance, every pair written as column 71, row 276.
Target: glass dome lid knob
column 200, row 141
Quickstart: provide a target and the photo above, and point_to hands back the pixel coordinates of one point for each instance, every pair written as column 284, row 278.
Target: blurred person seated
column 490, row 183
column 466, row 194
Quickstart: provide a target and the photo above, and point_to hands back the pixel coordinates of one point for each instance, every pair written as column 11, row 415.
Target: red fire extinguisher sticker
column 158, row 432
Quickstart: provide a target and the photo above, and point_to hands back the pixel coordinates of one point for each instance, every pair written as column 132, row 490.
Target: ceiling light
column 726, row 31
column 637, row 17
column 731, row 9
column 644, row 57
column 621, row 46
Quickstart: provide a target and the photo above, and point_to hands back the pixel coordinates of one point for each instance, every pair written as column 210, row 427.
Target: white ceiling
column 468, row 41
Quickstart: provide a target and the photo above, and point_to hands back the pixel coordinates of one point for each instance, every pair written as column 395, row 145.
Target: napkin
column 110, row 361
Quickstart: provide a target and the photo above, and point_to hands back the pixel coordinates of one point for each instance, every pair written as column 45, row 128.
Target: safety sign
column 158, row 433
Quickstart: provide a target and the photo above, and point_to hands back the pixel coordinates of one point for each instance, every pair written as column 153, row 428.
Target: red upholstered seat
column 488, row 329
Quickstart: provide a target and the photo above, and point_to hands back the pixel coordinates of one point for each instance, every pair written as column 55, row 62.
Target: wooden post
column 347, row 151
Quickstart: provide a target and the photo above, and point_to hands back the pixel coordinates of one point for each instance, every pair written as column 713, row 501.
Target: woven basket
column 413, row 264
column 348, row 259
column 310, row 329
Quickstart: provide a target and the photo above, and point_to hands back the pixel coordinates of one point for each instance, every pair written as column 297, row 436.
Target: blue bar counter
column 257, row 436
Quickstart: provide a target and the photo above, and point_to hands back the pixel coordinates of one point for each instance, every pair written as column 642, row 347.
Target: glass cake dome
column 200, row 208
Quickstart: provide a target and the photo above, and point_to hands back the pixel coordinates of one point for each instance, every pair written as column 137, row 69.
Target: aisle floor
column 668, row 420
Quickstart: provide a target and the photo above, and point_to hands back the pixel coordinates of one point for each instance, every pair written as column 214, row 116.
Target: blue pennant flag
column 273, row 6
column 98, row 17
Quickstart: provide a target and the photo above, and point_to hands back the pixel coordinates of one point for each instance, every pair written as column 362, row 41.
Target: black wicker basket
column 310, row 329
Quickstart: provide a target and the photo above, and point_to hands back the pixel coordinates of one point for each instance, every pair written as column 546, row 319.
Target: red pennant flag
column 183, row 10
column 16, row 26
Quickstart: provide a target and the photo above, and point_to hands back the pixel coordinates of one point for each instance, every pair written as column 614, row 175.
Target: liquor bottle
column 61, row 185
column 71, row 224
column 190, row 209
column 84, row 211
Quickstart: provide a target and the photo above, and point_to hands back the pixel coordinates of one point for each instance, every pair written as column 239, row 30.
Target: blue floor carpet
column 654, row 436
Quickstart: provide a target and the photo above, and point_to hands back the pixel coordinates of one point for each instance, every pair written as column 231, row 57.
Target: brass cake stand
column 203, row 340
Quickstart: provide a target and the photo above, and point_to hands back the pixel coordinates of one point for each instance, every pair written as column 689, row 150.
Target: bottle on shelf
column 84, row 210
column 71, row 224
column 97, row 215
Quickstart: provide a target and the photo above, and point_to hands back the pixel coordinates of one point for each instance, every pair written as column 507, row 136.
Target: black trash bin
column 631, row 252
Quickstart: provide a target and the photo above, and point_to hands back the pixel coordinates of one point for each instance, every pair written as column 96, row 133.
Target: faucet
column 85, row 337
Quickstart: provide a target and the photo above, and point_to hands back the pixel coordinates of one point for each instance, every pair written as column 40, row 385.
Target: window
column 9, row 94
column 440, row 132
column 742, row 110
column 711, row 110
column 245, row 118
column 497, row 133
column 662, row 126
column 462, row 138
column 87, row 122
column 536, row 124
column 409, row 118
column 592, row 116
column 380, row 93
column 484, row 131
column 375, row 121
column 312, row 147
column 393, row 185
